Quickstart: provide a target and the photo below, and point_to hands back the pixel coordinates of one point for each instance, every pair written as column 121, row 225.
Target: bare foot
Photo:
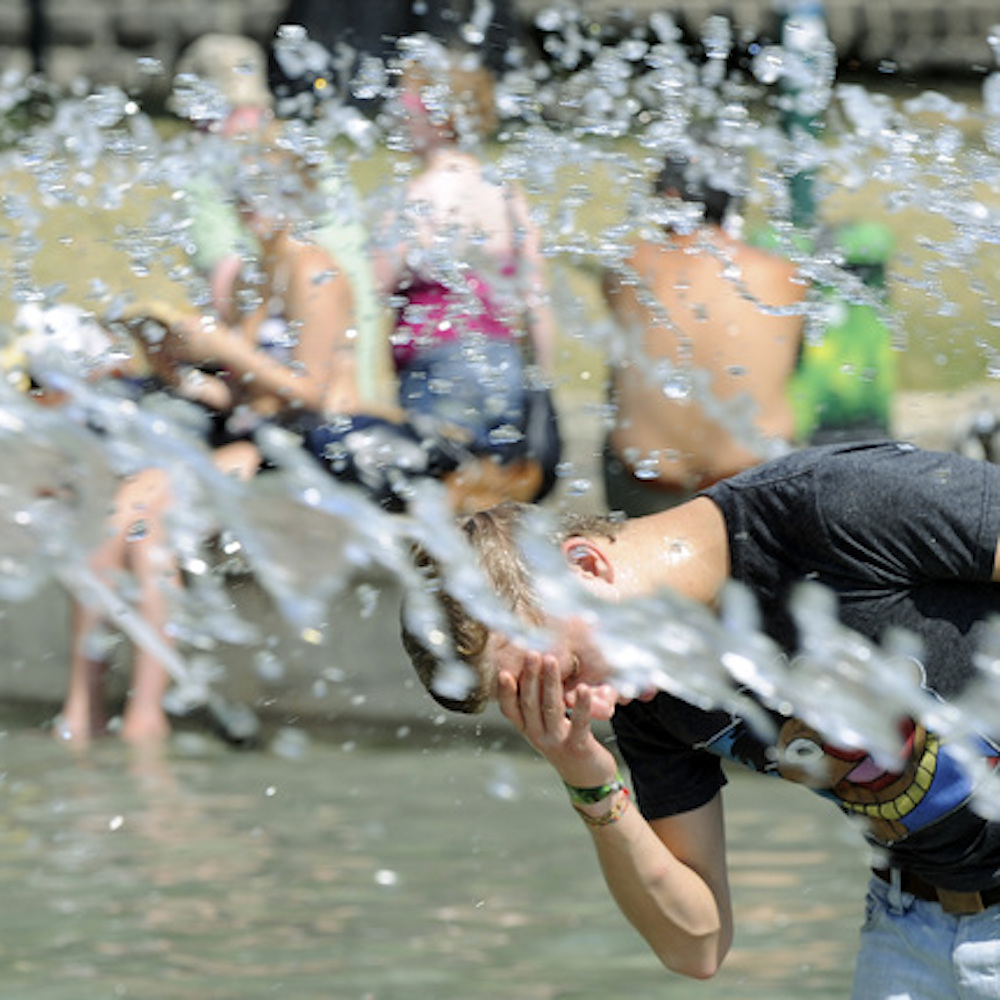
column 70, row 730
column 81, row 719
column 144, row 727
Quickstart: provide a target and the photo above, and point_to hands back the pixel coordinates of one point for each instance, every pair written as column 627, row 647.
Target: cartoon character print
column 859, row 784
column 929, row 780
column 928, row 783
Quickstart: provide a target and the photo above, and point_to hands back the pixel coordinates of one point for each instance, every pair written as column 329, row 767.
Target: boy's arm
column 669, row 878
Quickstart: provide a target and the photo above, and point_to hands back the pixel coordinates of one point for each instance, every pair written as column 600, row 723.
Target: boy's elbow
column 694, row 970
column 693, row 966
column 698, row 959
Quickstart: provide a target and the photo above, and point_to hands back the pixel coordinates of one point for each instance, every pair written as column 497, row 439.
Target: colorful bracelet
column 589, row 796
column 614, row 814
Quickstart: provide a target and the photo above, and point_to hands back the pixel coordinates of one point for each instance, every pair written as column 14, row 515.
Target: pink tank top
column 435, row 314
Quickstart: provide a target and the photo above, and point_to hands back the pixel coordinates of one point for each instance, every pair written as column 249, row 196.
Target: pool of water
column 327, row 867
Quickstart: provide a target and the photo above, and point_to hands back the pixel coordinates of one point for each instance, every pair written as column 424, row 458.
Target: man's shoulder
column 652, row 248
column 795, row 463
column 771, row 277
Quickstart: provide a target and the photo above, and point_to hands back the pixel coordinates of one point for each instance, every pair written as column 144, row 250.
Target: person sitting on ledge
column 906, row 540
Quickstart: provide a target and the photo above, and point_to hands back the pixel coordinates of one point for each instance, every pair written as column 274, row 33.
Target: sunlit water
column 354, row 872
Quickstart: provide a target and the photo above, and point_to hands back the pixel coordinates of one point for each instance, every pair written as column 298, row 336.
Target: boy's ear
column 587, row 558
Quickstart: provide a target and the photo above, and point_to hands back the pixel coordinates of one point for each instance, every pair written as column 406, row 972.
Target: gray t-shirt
column 905, row 538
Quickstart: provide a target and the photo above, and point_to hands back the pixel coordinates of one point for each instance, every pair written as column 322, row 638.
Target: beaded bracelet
column 614, row 814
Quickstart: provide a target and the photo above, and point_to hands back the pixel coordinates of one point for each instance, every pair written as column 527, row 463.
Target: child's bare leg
column 149, row 556
column 144, row 719
column 83, row 714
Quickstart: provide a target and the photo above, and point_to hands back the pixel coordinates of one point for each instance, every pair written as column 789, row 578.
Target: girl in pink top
column 461, row 261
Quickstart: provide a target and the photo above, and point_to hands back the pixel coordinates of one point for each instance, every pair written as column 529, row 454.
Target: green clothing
column 845, row 379
column 846, row 376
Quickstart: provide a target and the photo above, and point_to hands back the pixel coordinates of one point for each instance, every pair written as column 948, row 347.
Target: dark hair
column 686, row 177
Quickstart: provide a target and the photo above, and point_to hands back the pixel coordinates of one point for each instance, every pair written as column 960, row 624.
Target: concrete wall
column 922, row 36
column 135, row 43
column 356, row 682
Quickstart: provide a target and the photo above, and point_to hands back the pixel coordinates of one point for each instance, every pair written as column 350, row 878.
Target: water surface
column 327, row 868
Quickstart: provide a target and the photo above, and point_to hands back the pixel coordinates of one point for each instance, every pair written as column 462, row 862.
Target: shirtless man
column 711, row 327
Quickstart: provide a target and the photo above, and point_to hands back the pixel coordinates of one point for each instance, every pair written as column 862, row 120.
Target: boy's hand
column 536, row 703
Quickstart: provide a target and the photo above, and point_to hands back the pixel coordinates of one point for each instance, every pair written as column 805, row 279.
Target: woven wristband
column 590, row 796
column 614, row 814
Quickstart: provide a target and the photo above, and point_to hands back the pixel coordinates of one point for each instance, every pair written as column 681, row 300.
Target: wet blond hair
column 492, row 534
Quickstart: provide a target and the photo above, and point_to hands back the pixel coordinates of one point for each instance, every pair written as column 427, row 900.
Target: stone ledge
column 110, row 35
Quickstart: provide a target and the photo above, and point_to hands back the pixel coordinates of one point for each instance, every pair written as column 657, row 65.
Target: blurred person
column 847, row 373
column 898, row 541
column 65, row 338
column 460, row 258
column 286, row 342
column 137, row 547
column 286, row 354
column 221, row 85
column 710, row 330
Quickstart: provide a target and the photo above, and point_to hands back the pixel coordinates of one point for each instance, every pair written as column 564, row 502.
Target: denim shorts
column 912, row 950
column 475, row 385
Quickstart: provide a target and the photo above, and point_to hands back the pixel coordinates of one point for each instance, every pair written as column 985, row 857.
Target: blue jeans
column 913, row 950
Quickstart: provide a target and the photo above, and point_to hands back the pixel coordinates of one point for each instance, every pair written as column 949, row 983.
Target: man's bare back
column 707, row 320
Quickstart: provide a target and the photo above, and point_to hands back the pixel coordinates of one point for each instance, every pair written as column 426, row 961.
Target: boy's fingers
column 553, row 701
column 603, row 699
column 580, row 715
column 527, row 685
column 507, row 697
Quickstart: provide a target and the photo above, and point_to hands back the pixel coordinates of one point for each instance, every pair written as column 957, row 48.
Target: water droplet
column 993, row 38
column 647, row 469
column 149, row 66
column 504, row 785
column 269, row 667
column 137, row 530
column 290, row 743
column 678, row 386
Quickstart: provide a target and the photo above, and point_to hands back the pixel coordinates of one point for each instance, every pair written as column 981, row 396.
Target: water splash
column 596, row 110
